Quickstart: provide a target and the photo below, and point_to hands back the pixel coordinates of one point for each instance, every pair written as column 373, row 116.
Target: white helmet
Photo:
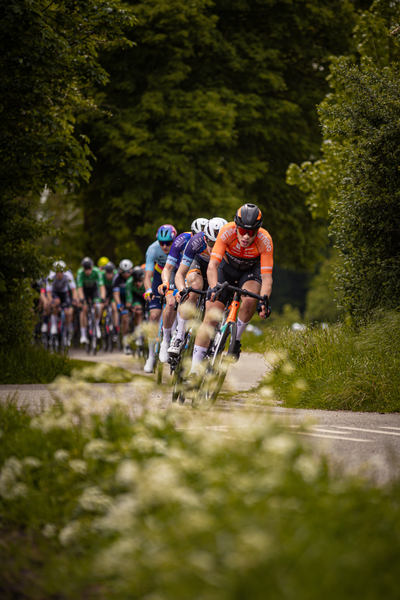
column 126, row 265
column 198, row 225
column 59, row 265
column 212, row 228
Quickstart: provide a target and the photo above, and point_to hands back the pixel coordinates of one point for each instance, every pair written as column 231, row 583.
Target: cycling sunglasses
column 165, row 244
column 249, row 232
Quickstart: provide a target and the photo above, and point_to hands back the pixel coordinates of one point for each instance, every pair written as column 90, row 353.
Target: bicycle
column 218, row 359
column 179, row 364
column 158, row 365
column 108, row 329
column 91, row 334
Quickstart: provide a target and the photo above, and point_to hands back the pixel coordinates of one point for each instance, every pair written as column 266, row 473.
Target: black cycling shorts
column 199, row 264
column 236, row 278
column 92, row 293
column 65, row 297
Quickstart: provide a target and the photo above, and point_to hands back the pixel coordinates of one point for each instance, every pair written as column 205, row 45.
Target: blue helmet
column 166, row 233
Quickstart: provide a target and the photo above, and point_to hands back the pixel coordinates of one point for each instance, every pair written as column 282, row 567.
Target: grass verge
column 36, row 365
column 337, row 368
column 100, row 506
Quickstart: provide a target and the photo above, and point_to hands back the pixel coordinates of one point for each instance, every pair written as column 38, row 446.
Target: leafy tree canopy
column 208, row 108
column 48, row 58
column 358, row 175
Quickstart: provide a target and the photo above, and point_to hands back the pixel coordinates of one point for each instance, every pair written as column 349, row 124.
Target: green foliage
column 366, row 217
column 357, row 177
column 31, row 364
column 48, row 59
column 19, row 260
column 209, row 107
column 150, row 508
column 338, row 368
column 320, row 299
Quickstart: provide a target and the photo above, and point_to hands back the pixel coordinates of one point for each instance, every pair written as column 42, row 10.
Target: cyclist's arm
column 180, row 276
column 74, row 294
column 166, row 273
column 266, row 284
column 81, row 294
column 147, row 279
column 117, row 296
column 102, row 291
column 212, row 273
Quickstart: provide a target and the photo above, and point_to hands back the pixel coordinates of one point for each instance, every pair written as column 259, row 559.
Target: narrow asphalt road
column 367, row 443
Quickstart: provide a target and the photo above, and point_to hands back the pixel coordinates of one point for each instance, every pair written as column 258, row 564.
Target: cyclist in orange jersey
column 242, row 256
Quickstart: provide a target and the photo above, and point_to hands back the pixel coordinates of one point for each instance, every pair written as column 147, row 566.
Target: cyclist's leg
column 154, row 318
column 250, row 281
column 212, row 316
column 195, row 278
column 83, row 316
column 99, row 307
column 54, row 314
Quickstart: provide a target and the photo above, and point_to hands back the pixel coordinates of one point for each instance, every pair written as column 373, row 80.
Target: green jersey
column 134, row 294
column 96, row 277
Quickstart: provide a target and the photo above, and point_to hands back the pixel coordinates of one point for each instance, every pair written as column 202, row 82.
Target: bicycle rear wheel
column 182, row 369
column 217, row 367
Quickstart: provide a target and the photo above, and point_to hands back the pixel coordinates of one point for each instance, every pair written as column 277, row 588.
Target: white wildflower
column 61, row 455
column 70, row 533
column 142, row 443
column 308, row 467
column 267, row 392
column 10, row 488
column 13, row 465
column 117, row 558
column 281, row 444
column 32, row 462
column 120, row 516
column 114, row 457
column 79, row 466
column 49, row 530
column 153, row 420
column 94, row 499
column 127, row 473
column 97, row 449
column 48, row 421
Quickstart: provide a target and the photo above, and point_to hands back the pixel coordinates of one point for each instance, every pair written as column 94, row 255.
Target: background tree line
column 194, row 110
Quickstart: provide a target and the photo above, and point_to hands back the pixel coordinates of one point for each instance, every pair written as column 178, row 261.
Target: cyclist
column 110, row 271
column 135, row 300
column 168, row 281
column 102, row 262
column 90, row 285
column 119, row 285
column 60, row 284
column 156, row 257
column 242, row 256
column 193, row 272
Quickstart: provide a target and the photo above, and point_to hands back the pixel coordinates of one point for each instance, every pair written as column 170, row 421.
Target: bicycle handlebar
column 225, row 286
column 185, row 293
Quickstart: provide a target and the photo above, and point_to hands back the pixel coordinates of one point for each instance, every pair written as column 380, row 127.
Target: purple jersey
column 177, row 249
column 197, row 245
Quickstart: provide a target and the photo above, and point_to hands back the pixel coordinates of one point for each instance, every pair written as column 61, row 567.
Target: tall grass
column 32, row 364
column 339, row 368
column 98, row 506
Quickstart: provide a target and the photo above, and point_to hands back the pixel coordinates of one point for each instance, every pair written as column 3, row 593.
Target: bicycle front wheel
column 217, row 367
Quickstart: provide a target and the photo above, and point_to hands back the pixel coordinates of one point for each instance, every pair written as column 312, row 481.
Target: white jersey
column 60, row 286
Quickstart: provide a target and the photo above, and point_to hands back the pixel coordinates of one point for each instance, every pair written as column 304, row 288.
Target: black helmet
column 110, row 267
column 87, row 263
column 137, row 273
column 249, row 216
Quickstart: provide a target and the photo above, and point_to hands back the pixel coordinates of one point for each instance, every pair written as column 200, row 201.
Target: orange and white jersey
column 228, row 247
